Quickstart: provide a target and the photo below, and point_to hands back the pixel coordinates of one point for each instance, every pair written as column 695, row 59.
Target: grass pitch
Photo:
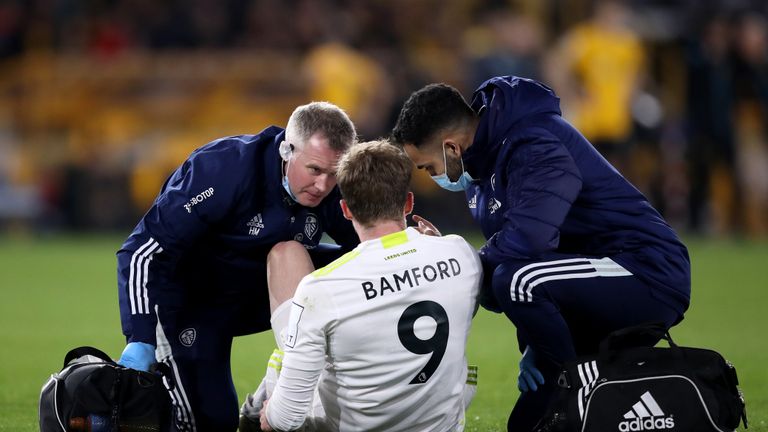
column 60, row 292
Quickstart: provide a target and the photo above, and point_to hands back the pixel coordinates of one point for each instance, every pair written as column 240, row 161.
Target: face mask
column 459, row 185
column 286, row 186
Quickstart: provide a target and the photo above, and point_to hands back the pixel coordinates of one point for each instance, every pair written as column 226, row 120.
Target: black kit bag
column 630, row 385
column 93, row 393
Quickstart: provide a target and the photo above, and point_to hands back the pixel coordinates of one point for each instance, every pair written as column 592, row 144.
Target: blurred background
column 101, row 99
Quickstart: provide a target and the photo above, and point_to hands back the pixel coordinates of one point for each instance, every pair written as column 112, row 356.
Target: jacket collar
column 480, row 157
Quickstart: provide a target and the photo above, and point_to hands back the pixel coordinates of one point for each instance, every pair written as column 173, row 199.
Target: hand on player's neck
column 378, row 229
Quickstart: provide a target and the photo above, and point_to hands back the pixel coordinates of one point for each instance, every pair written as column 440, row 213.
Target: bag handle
column 160, row 369
column 86, row 350
column 643, row 335
column 163, row 370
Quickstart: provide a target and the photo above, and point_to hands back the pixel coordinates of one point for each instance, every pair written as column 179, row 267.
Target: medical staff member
column 194, row 272
column 574, row 251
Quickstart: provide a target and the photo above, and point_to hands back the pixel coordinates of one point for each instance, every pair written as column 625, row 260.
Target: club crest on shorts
column 310, row 226
column 187, row 337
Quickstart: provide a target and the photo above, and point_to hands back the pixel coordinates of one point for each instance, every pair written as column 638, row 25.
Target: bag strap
column 163, row 370
column 84, row 351
column 643, row 335
column 160, row 369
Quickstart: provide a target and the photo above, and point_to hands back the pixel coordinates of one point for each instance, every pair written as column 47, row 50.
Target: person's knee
column 500, row 285
column 523, row 308
column 287, row 263
column 284, row 253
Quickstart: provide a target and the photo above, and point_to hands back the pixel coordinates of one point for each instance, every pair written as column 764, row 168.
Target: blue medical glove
column 529, row 375
column 137, row 355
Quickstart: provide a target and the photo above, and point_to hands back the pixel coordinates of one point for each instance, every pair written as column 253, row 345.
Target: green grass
column 58, row 293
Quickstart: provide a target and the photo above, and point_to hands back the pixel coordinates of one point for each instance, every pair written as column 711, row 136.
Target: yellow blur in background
column 100, row 101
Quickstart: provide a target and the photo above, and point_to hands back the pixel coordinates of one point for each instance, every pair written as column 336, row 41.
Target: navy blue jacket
column 542, row 189
column 203, row 244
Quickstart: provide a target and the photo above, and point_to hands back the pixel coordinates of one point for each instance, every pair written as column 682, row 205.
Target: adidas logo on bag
column 646, row 415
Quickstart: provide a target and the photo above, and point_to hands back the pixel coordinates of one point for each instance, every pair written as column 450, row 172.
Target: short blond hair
column 374, row 178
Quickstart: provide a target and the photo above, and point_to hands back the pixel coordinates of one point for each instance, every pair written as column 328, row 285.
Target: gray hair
column 324, row 118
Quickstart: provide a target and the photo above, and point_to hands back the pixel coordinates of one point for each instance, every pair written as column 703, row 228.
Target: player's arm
column 197, row 195
column 543, row 182
column 304, row 357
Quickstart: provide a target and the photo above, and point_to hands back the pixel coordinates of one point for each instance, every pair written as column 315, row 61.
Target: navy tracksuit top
column 541, row 189
column 204, row 242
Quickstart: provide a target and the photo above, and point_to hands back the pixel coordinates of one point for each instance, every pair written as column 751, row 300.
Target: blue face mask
column 286, row 186
column 459, row 185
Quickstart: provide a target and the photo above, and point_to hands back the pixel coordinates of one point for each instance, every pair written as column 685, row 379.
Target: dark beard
column 453, row 168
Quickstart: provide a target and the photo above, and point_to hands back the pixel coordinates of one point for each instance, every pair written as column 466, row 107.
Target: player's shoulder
column 452, row 243
column 453, row 238
column 447, row 240
column 411, row 237
column 334, row 266
column 459, row 245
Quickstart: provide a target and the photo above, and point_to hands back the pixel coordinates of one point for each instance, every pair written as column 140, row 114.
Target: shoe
column 248, row 425
column 254, row 402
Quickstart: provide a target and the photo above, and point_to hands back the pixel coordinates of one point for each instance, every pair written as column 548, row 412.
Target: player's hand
column 425, row 227
column 137, row 355
column 263, row 418
column 529, row 376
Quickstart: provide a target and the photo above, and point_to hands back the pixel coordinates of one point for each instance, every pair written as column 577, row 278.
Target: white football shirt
column 384, row 329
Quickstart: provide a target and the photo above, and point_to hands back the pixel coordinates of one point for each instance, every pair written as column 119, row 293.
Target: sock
column 279, row 321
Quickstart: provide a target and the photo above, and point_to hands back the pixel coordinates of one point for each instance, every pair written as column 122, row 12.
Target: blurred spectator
column 711, row 154
column 751, row 116
column 136, row 84
column 503, row 43
column 20, row 199
column 352, row 80
column 110, row 36
column 596, row 69
column 11, row 30
column 266, row 26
